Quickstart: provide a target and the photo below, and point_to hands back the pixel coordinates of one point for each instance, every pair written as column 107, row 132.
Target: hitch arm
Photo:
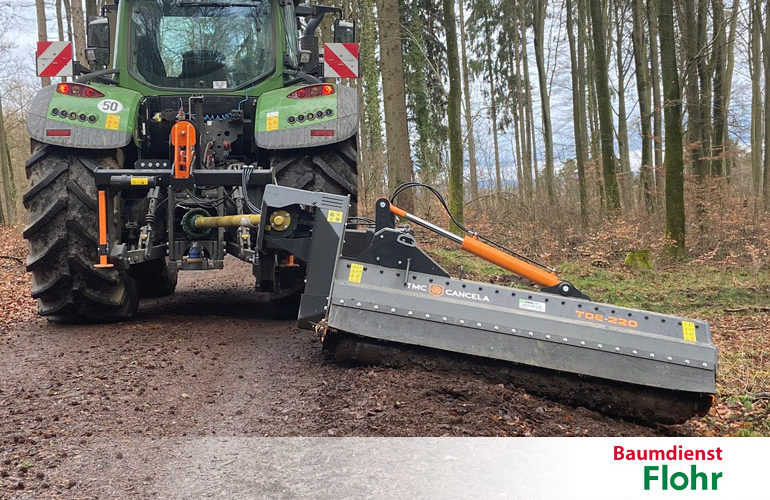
column 548, row 280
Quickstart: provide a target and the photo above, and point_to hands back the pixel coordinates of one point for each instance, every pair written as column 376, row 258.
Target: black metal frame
column 113, row 182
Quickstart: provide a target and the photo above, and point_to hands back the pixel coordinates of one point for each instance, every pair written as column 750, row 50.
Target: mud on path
column 76, row 402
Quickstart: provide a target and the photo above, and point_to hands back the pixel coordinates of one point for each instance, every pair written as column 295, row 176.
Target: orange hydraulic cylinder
column 102, row 215
column 183, row 141
column 489, row 253
column 517, row 266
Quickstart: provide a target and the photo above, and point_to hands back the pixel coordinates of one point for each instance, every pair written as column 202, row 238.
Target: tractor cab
column 211, row 45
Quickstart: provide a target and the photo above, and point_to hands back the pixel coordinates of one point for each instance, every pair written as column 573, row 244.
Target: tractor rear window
column 178, row 44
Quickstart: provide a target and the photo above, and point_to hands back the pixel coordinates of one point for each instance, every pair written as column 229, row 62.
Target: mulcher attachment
column 626, row 362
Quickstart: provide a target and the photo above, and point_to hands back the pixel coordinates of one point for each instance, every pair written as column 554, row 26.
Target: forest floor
column 79, row 404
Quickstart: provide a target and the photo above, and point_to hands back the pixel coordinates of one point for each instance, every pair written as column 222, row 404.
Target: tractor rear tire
column 329, row 169
column 62, row 239
column 154, row 278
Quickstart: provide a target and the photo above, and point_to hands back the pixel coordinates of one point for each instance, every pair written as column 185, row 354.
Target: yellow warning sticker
column 356, row 271
column 140, row 181
column 113, row 122
column 688, row 331
column 271, row 122
column 334, row 216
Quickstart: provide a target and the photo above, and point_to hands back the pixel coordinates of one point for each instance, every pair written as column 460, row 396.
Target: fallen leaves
column 16, row 305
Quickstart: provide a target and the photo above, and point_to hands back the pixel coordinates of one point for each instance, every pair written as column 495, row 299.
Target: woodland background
column 553, row 120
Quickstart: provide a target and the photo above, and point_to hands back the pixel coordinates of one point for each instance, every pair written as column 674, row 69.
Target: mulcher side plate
column 542, row 330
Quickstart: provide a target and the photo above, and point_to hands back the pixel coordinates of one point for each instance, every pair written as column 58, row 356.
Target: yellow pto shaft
column 248, row 220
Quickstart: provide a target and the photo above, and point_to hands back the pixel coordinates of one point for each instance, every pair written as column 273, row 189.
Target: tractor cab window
column 178, row 44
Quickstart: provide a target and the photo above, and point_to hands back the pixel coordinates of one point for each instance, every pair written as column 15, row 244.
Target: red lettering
column 619, row 453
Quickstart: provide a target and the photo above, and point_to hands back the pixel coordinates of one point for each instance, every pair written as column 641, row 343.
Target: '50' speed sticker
column 110, row 106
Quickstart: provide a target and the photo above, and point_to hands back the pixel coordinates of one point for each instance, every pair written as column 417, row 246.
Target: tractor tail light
column 78, row 90
column 312, row 91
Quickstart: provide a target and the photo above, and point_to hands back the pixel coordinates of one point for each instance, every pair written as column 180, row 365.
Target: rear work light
column 312, row 91
column 77, row 90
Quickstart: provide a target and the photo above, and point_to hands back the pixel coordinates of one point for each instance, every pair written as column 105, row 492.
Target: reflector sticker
column 271, row 122
column 356, row 271
column 688, row 331
column 532, row 305
column 113, row 122
column 334, row 216
column 140, row 181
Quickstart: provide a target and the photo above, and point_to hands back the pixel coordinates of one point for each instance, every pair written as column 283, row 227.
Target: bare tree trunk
column 8, row 194
column 657, row 107
column 454, row 112
column 520, row 106
column 695, row 125
column 675, row 217
column 529, row 115
column 372, row 149
column 79, row 30
column 755, row 67
column 720, row 63
column 591, row 110
column 42, row 32
column 585, row 82
column 68, row 18
column 727, row 84
column 643, row 89
column 468, row 112
column 705, row 78
column 60, row 20
column 582, row 77
column 598, row 24
column 767, row 107
column 92, row 8
column 492, row 102
column 626, row 177
column 68, row 15
column 545, row 104
column 394, row 99
column 578, row 118
column 60, row 24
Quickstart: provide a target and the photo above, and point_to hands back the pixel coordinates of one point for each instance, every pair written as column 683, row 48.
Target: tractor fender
column 278, row 124
column 104, row 122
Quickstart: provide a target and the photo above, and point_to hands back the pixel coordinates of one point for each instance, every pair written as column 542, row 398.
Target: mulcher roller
column 385, row 292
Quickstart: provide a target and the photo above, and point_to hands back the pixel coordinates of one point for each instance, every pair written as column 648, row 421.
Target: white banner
column 447, row 468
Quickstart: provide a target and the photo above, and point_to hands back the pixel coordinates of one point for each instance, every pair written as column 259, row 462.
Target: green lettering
column 714, row 477
column 648, row 469
column 675, row 476
column 694, row 475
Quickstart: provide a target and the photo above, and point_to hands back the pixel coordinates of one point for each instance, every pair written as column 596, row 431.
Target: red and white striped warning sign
column 54, row 59
column 340, row 60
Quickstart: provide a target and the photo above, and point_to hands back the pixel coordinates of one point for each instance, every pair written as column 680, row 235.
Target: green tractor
column 155, row 159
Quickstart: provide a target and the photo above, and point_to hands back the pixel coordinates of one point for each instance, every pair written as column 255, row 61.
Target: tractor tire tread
column 330, row 169
column 62, row 240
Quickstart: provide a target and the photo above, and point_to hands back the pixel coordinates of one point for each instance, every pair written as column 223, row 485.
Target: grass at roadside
column 736, row 302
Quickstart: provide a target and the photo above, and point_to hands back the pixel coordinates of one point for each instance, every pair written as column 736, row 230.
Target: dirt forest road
column 85, row 410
